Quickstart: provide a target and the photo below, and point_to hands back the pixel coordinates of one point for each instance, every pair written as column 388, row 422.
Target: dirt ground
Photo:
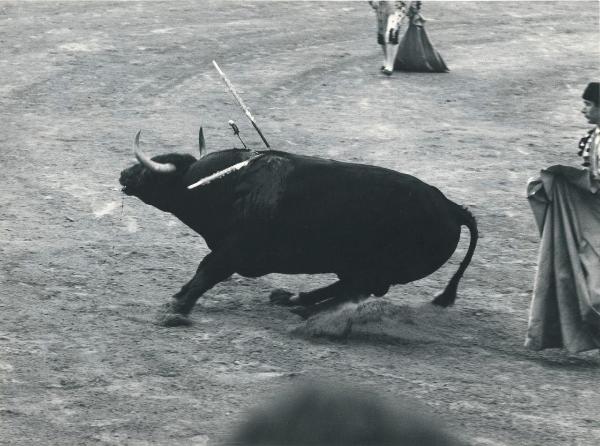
column 84, row 270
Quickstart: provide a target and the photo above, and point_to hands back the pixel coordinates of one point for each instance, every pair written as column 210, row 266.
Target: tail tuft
column 448, row 296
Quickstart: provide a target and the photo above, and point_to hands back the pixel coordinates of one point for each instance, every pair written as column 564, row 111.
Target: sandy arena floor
column 84, row 270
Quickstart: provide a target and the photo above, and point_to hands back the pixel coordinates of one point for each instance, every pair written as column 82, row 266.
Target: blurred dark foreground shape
column 326, row 414
column 416, row 53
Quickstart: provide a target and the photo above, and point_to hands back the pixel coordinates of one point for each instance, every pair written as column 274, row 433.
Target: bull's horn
column 201, row 143
column 148, row 162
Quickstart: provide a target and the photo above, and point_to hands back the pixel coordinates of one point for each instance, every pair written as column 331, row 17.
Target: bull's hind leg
column 328, row 297
column 309, row 310
column 285, row 298
column 281, row 297
column 346, row 289
column 212, row 270
column 321, row 294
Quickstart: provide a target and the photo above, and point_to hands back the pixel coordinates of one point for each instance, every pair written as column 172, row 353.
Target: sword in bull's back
column 239, row 100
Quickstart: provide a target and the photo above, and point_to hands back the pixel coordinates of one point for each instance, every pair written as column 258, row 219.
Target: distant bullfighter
column 275, row 212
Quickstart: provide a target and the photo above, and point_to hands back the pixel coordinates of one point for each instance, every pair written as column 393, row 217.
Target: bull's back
column 343, row 217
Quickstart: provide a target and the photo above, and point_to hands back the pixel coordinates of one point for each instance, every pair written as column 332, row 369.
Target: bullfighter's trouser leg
column 381, row 27
column 394, row 25
column 384, row 63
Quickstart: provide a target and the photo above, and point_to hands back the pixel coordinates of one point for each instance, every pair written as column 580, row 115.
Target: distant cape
column 416, row 53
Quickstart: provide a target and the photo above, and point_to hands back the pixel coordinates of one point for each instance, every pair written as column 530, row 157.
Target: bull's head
column 156, row 181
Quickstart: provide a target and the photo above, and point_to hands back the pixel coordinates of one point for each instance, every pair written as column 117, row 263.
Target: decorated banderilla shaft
column 239, row 100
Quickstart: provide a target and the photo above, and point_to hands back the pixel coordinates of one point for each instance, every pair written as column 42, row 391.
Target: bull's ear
column 201, row 143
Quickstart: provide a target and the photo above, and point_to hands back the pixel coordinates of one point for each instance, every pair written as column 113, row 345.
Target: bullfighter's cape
column 565, row 310
column 416, row 53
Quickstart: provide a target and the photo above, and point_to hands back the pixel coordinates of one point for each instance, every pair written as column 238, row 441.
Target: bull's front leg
column 213, row 269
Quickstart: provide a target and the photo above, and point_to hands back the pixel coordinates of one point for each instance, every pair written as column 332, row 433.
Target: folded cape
column 416, row 53
column 565, row 310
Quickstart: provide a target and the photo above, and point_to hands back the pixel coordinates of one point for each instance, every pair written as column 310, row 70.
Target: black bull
column 291, row 214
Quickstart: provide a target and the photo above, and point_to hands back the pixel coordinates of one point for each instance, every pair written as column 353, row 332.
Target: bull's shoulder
column 261, row 185
column 267, row 172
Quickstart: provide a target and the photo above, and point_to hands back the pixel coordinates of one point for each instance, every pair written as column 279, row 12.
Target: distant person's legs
column 381, row 41
column 394, row 25
column 382, row 19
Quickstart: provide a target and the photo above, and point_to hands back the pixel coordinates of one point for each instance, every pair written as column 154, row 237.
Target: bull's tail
column 448, row 296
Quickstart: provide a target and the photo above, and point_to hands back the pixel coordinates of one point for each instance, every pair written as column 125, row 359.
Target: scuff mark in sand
column 106, row 209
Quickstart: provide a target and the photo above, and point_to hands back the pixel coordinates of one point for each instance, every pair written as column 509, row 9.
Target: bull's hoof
column 281, row 297
column 173, row 320
column 444, row 300
column 169, row 317
column 304, row 312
